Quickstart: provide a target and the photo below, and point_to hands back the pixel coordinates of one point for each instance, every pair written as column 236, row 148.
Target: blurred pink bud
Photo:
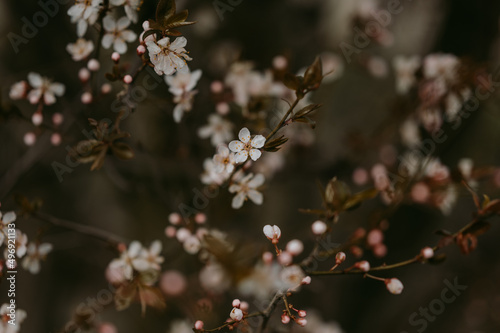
column 29, row 139
column 141, row 49
column 175, row 218
column 280, row 62
column 360, row 176
column 267, row 257
column 107, row 328
column 236, row 303
column 198, row 325
column 115, row 56
column 306, row 280
column 285, row 319
column 420, row 192
column 319, row 227
column 302, row 313
column 128, row 79
column 363, row 265
column 216, row 87
column 356, row 251
column 359, row 233
column 84, row 74
column 93, row 65
column 374, row 237
column 285, row 258
column 244, row 306
column 86, row 98
column 301, row 321
column 170, row 231
column 37, row 118
column 173, row 283
column 236, row 314
column 394, row 286
column 222, row 108
column 183, row 234
column 427, row 252
column 200, row 218
column 106, row 88
column 295, row 247
column 55, row 139
column 340, row 258
column 379, row 250
column 57, row 119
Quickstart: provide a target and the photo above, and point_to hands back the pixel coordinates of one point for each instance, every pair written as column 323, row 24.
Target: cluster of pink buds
column 300, row 318
column 238, row 313
column 187, row 231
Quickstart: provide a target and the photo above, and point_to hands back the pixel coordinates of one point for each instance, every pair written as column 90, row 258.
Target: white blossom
column 149, row 258
column 18, row 90
column 131, row 7
column 84, row 12
column 272, row 232
column 246, row 188
column 236, row 314
column 5, row 219
column 44, row 88
column 181, row 86
column 441, row 66
column 245, row 146
column 35, row 253
column 167, row 57
column 224, row 160
column 218, row 129
column 117, row 34
column 138, row 258
column 5, row 327
column 394, row 286
column 81, row 49
column 291, row 276
column 405, row 68
column 210, row 176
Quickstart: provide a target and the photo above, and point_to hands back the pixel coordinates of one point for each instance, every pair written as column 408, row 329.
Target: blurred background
column 360, row 115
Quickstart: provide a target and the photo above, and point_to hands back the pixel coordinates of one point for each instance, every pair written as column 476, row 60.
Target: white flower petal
column 122, row 23
column 238, row 200
column 57, row 88
column 35, row 80
column 236, row 146
column 256, row 181
column 244, row 135
column 255, row 154
column 241, row 156
column 255, row 196
column 258, row 141
column 178, row 43
column 109, row 23
column 120, row 46
column 107, row 40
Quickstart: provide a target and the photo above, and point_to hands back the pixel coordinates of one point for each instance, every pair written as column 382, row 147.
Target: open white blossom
column 117, row 34
column 405, row 68
column 4, row 221
column 18, row 90
column 81, row 49
column 36, row 253
column 44, row 88
column 136, row 257
column 442, row 66
column 210, row 176
column 246, row 188
column 245, row 146
column 181, row 86
column 218, row 129
column 19, row 315
column 149, row 258
column 83, row 13
column 167, row 57
column 224, row 160
column 291, row 276
column 131, row 7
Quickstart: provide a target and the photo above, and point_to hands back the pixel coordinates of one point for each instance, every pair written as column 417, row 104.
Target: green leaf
column 275, row 144
column 337, row 193
column 359, row 197
column 291, row 81
column 307, row 109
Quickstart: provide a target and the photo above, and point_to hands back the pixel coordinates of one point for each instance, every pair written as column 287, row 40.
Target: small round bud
column 57, row 119
column 222, row 108
column 183, row 234
column 380, row 250
column 37, row 118
column 200, row 218
column 84, row 74
column 173, row 283
column 295, row 247
column 216, row 87
column 107, row 328
column 141, row 50
column 128, row 79
column 170, row 231
column 236, row 303
column 280, row 62
column 427, row 252
column 86, row 98
column 175, row 218
column 93, row 65
column 394, row 286
column 359, row 233
column 55, row 139
column 115, row 56
column 306, row 280
column 302, row 313
column 198, row 325
column 285, row 258
column 106, row 88
column 244, row 306
column 360, row 176
column 340, row 258
column 363, row 265
column 319, row 227
column 356, row 251
column 236, row 314
column 285, row 319
column 122, row 247
column 267, row 258
column 29, row 139
column 374, row 237
column 301, row 321
column 273, row 233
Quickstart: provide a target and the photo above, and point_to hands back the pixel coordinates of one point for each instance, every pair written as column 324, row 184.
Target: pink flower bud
column 340, row 258
column 29, row 139
column 301, row 321
column 306, row 280
column 244, row 306
column 175, row 218
column 170, row 231
column 374, row 237
column 394, row 286
column 302, row 313
column 285, row 319
column 107, row 328
column 236, row 303
column 273, row 233
column 200, row 218
column 55, row 139
column 37, row 118
column 183, row 234
column 360, row 176
column 222, row 108
column 128, row 79
column 106, row 88
column 359, row 233
column 380, row 250
column 295, row 247
column 427, row 252
column 173, row 283
column 285, row 258
column 319, row 227
column 267, row 258
column 236, row 314
column 115, row 56
column 420, row 192
column 198, row 325
column 280, row 62
column 86, row 98
column 57, row 119
column 216, row 87
column 363, row 265
column 141, row 50
column 356, row 251
column 84, row 74
column 93, row 65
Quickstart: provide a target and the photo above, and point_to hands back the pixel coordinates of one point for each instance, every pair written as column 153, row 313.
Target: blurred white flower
column 192, row 245
column 405, row 68
column 44, row 88
column 245, row 146
column 18, row 90
column 246, row 188
column 117, row 34
column 36, row 253
column 19, row 315
column 138, row 258
column 167, row 57
column 224, row 160
column 84, row 12
column 181, row 86
column 218, row 129
column 149, row 258
column 441, row 66
column 4, row 221
column 81, row 49
column 210, row 176
column 410, row 133
column 131, row 7
column 214, row 278
column 291, row 276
